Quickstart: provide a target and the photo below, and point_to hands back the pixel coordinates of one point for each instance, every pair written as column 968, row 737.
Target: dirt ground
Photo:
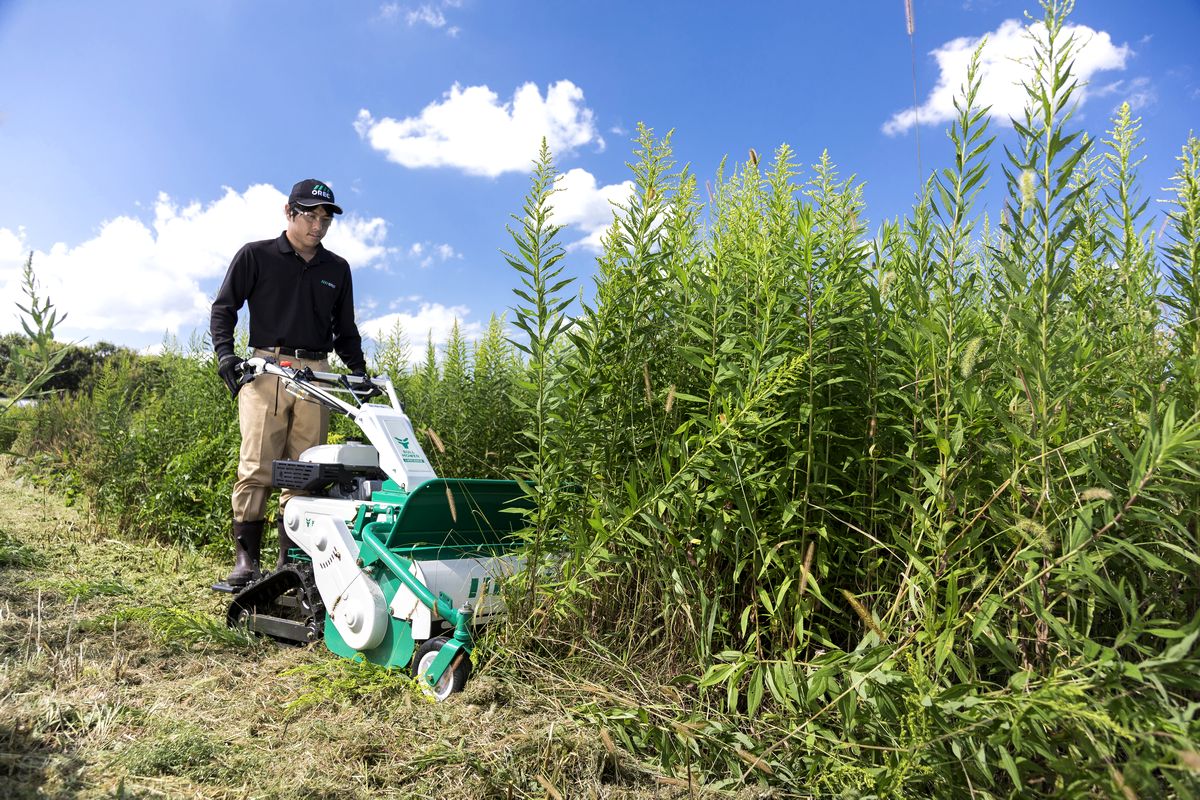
column 118, row 679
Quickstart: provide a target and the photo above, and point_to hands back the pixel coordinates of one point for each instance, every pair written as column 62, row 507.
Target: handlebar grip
column 363, row 387
column 246, row 375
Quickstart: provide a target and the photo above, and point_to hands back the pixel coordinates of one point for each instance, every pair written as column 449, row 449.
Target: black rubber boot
column 285, row 543
column 247, row 540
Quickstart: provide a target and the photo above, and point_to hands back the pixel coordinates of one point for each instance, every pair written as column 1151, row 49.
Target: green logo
column 489, row 587
column 402, row 442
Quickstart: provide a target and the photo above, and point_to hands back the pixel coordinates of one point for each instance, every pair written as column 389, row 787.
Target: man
column 301, row 306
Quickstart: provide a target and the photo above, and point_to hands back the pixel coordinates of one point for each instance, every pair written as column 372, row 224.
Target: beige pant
column 275, row 425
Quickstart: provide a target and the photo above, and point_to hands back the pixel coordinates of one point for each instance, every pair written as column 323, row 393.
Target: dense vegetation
column 903, row 513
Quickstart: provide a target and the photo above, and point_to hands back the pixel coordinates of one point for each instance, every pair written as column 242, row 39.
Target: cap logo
column 321, row 190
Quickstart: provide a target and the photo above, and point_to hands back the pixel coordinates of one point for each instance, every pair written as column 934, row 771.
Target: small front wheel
column 453, row 679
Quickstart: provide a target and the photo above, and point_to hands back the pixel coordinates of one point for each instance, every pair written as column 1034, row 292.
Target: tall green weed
column 908, row 515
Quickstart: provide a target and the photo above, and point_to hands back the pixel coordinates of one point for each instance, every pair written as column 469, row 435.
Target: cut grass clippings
column 120, row 679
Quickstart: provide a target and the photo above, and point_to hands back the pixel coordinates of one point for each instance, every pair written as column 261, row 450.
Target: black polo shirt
column 295, row 304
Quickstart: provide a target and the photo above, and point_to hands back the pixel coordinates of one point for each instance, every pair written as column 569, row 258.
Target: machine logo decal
column 407, row 454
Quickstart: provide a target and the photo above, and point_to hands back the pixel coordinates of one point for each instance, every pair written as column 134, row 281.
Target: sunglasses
column 314, row 219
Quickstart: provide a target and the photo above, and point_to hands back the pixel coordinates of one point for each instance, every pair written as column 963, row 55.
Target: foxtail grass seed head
column 646, row 380
column 437, row 440
column 450, row 502
column 805, row 567
column 606, row 739
column 863, row 613
column 754, row 761
column 1095, row 493
column 670, row 399
column 910, row 24
column 969, row 357
column 1034, row 530
column 1119, row 779
column 753, row 156
column 1190, row 759
column 1028, row 186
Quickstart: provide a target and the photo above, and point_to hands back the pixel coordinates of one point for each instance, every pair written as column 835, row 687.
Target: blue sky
column 143, row 141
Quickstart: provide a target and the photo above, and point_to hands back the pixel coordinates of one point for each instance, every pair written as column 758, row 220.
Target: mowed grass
column 113, row 683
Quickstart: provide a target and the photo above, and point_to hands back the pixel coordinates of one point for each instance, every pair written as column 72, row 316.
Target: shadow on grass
column 33, row 766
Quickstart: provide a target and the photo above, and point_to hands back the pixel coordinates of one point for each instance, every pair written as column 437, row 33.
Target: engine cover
column 351, row 454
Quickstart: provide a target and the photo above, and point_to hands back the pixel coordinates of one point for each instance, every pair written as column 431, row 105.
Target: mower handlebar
column 362, row 388
column 245, row 373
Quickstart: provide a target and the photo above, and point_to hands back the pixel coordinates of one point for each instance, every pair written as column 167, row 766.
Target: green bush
column 911, row 514
column 152, row 441
column 153, row 445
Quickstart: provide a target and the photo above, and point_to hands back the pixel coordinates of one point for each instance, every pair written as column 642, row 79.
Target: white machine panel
column 353, row 601
column 400, row 454
column 472, row 580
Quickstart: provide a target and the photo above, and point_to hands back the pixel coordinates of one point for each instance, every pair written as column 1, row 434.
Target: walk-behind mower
column 388, row 559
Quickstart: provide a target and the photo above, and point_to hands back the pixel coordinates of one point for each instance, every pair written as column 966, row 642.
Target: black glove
column 367, row 389
column 230, row 369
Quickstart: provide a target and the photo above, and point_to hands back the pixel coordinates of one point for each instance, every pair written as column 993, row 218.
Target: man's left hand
column 230, row 369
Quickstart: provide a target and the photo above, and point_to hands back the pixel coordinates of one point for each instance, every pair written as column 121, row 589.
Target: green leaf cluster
column 908, row 514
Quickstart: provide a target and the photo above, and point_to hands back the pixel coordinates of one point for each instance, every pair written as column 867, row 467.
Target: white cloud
column 1139, row 93
column 427, row 253
column 1004, row 63
column 430, row 321
column 139, row 278
column 359, row 241
column 470, row 129
column 582, row 204
column 430, row 14
column 426, row 14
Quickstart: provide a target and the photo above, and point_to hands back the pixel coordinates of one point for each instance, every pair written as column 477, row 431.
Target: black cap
column 310, row 193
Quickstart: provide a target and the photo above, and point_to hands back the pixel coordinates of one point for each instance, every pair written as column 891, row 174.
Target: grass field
column 119, row 679
column 851, row 509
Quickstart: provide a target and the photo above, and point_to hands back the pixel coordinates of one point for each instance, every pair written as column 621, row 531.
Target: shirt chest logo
column 330, row 284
